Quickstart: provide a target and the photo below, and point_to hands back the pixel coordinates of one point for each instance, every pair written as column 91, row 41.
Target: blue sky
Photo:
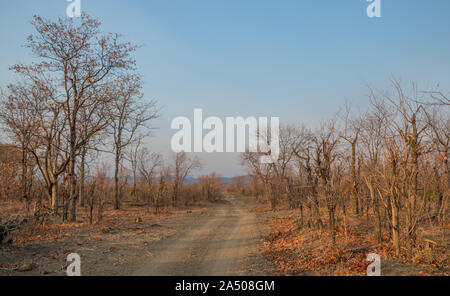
column 299, row 60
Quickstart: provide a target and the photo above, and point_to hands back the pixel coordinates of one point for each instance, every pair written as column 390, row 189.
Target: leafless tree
column 372, row 135
column 351, row 133
column 32, row 117
column 78, row 64
column 325, row 144
column 439, row 133
column 129, row 114
column 149, row 163
column 133, row 154
column 210, row 187
column 182, row 168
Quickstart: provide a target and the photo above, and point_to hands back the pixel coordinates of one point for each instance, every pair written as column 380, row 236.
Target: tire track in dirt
column 220, row 244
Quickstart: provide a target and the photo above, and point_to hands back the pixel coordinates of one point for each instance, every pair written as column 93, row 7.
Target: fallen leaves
column 305, row 252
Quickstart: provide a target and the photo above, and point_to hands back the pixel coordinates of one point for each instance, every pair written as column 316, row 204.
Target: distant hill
column 223, row 180
column 190, row 180
column 226, row 180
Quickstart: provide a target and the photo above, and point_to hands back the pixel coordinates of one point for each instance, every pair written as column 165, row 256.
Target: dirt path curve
column 223, row 241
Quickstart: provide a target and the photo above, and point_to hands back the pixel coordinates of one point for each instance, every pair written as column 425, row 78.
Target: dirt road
column 209, row 239
column 222, row 240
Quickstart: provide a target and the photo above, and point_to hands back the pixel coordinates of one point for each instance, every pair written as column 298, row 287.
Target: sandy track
column 223, row 241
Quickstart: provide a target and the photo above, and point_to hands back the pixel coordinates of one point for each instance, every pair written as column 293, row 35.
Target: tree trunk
column 376, row 210
column 354, row 181
column 82, row 178
column 24, row 181
column 301, row 215
column 395, row 228
column 73, row 189
column 54, row 196
column 412, row 193
column 91, row 211
column 175, row 194
column 316, row 208
column 116, row 182
column 133, row 192
column 332, row 225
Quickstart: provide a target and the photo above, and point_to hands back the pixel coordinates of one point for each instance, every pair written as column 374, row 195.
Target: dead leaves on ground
column 297, row 249
column 309, row 252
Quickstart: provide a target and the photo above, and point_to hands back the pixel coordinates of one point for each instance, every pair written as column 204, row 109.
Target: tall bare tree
column 182, row 168
column 79, row 63
column 34, row 119
column 129, row 115
column 351, row 133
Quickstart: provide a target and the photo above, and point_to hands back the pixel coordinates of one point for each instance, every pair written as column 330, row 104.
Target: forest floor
column 299, row 250
column 235, row 236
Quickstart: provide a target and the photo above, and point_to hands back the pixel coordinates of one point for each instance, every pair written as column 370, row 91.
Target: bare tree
column 183, row 167
column 163, row 189
column 372, row 135
column 410, row 127
column 325, row 143
column 129, row 115
column 133, row 155
column 439, row 134
column 351, row 134
column 438, row 98
column 149, row 163
column 305, row 161
column 262, row 172
column 16, row 121
column 34, row 119
column 79, row 65
column 210, row 187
